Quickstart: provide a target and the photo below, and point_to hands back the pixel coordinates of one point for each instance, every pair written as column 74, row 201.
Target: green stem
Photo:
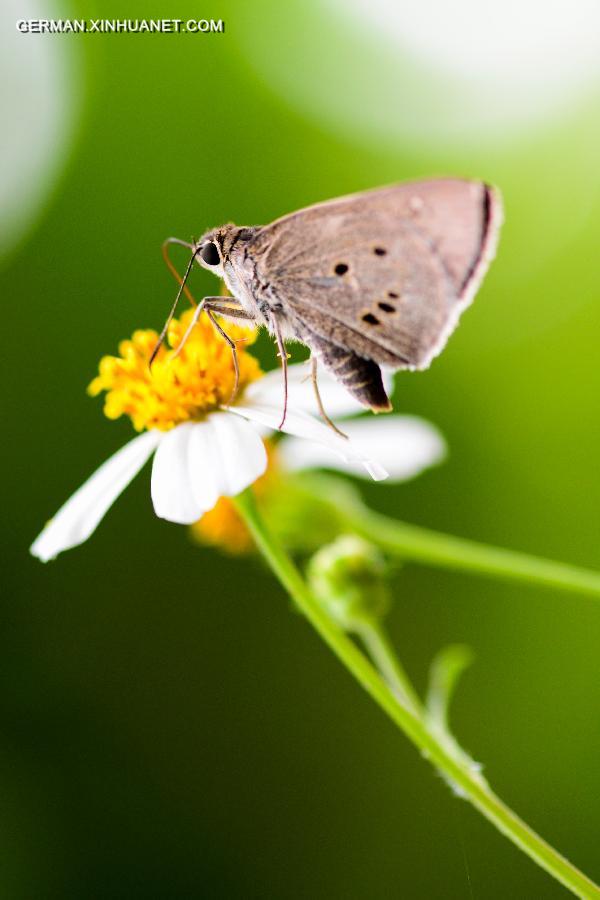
column 434, row 548
column 382, row 653
column 467, row 780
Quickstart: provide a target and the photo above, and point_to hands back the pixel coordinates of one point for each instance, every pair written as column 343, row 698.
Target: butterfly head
column 209, row 251
column 216, row 247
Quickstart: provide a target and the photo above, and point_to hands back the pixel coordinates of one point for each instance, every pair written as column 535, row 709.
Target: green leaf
column 445, row 671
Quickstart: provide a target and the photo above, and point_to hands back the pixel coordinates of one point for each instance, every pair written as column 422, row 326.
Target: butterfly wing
column 384, row 274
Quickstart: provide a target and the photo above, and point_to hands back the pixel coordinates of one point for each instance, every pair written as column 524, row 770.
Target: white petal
column 198, row 462
column 308, row 428
column 404, row 445
column 78, row 517
column 242, row 454
column 336, row 399
column 203, row 463
column 170, row 485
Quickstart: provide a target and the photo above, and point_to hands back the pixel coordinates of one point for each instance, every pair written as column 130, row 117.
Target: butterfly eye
column 210, row 254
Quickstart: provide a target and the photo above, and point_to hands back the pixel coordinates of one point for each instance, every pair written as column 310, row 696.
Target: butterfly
column 370, row 280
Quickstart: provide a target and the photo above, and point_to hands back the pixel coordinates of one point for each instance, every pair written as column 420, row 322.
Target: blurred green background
column 169, row 728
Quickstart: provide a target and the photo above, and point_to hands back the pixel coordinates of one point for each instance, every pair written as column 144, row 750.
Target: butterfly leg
column 313, row 375
column 234, row 356
column 284, row 367
column 197, row 313
column 361, row 377
column 228, row 307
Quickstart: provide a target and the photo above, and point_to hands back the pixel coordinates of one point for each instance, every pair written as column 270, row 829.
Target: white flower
column 403, row 446
column 196, row 462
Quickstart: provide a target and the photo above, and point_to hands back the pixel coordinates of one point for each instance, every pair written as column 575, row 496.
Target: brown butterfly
column 373, row 279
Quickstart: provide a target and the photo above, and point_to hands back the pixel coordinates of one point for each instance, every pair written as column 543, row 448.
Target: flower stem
column 468, row 781
column 434, row 548
column 378, row 645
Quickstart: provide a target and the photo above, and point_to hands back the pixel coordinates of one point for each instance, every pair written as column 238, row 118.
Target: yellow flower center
column 178, row 388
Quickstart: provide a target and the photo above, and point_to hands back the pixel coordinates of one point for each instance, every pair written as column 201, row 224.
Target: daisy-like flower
column 206, row 447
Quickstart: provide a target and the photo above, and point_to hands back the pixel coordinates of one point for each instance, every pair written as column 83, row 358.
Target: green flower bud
column 349, row 578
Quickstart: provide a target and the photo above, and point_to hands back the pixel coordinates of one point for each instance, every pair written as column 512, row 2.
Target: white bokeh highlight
column 40, row 99
column 510, row 61
column 398, row 73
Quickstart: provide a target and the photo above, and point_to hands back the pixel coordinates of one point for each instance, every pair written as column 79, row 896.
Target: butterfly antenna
column 174, row 307
column 171, row 266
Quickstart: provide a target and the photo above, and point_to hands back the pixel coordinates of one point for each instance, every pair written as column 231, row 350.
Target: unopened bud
column 348, row 577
